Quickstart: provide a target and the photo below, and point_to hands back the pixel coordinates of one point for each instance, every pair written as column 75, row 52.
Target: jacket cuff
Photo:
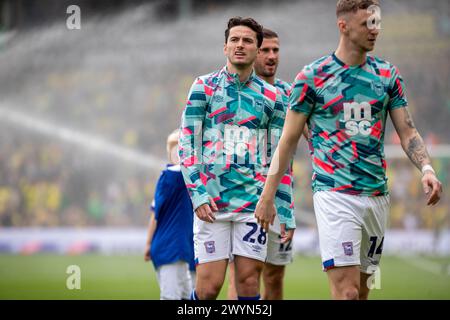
column 200, row 200
column 288, row 218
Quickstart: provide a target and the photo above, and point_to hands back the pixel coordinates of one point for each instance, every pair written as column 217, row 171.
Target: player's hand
column 286, row 235
column 213, row 205
column 206, row 211
column 432, row 187
column 147, row 256
column 306, row 133
column 265, row 213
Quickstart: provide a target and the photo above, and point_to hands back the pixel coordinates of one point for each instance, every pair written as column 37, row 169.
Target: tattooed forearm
column 417, row 152
column 408, row 119
column 411, row 140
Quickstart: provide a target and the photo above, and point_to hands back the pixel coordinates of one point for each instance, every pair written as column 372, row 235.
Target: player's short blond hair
column 346, row 6
column 172, row 140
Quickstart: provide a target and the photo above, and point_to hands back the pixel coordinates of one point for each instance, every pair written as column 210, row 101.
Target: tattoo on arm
column 415, row 147
column 417, row 152
column 408, row 119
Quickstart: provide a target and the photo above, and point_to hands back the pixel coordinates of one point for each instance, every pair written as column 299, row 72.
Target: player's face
column 266, row 63
column 241, row 46
column 362, row 31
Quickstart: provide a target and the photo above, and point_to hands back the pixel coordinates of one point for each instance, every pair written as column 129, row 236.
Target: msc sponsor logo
column 357, row 118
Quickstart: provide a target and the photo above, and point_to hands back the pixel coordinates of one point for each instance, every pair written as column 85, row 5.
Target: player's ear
column 342, row 25
column 225, row 48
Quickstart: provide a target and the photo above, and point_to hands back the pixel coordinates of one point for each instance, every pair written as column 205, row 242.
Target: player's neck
column 350, row 55
column 243, row 72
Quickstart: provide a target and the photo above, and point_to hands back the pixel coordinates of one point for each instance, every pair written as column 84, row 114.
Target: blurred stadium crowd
column 45, row 183
column 125, row 77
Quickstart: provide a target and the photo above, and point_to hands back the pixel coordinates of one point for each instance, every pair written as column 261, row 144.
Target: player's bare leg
column 247, row 275
column 273, row 282
column 344, row 282
column 231, row 294
column 210, row 278
column 364, row 290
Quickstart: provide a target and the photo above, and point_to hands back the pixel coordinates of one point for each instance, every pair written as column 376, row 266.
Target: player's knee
column 350, row 293
column 209, row 292
column 248, row 285
column 345, row 290
column 273, row 283
column 249, row 280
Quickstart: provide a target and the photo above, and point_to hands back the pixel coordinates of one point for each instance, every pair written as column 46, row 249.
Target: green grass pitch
column 129, row 277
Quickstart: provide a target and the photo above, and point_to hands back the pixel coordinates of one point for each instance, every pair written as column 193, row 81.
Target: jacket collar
column 234, row 77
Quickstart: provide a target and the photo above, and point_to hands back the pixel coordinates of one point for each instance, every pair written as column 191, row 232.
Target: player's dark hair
column 269, row 34
column 247, row 22
column 346, row 6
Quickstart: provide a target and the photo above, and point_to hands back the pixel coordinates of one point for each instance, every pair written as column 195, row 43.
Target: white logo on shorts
column 348, row 248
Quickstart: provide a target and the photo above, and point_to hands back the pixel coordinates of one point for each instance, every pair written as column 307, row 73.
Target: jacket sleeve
column 190, row 143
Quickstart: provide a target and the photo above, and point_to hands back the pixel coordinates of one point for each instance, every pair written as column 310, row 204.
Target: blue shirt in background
column 173, row 237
